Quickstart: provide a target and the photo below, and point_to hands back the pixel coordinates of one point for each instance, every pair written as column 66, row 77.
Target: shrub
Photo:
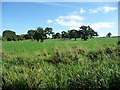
column 95, row 55
column 118, row 43
column 68, row 56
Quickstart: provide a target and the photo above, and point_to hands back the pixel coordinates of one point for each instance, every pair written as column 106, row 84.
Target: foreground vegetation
column 61, row 64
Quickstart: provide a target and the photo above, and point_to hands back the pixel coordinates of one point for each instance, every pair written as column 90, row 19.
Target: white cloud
column 71, row 18
column 75, row 21
column 93, row 10
column 108, row 9
column 104, row 9
column 82, row 11
column 70, row 21
column 101, row 25
column 49, row 21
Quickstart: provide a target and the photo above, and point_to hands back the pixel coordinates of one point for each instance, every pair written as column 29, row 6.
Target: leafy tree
column 74, row 34
column 19, row 37
column 108, row 35
column 9, row 35
column 31, row 34
column 53, row 34
column 48, row 31
column 57, row 35
column 84, row 32
column 87, row 32
column 96, row 34
column 64, row 34
column 40, row 34
column 91, row 32
column 0, row 37
column 25, row 36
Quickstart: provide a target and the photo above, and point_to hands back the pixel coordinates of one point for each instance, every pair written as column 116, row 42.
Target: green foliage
column 118, row 43
column 0, row 37
column 31, row 33
column 61, row 67
column 66, row 56
column 38, row 34
column 65, row 34
column 9, row 35
column 19, row 37
column 108, row 35
column 74, row 34
column 87, row 32
column 57, row 35
column 48, row 31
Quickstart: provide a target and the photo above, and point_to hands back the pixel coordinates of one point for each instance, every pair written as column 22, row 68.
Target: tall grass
column 64, row 68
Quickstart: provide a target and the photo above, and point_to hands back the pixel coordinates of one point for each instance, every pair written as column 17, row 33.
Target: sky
column 61, row 16
column 60, row 0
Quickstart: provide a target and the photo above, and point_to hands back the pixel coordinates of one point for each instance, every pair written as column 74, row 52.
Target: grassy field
column 49, row 45
column 31, row 65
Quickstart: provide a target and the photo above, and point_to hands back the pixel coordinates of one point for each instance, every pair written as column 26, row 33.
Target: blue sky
column 23, row 16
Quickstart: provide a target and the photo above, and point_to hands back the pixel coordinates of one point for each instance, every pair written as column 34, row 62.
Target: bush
column 95, row 55
column 66, row 57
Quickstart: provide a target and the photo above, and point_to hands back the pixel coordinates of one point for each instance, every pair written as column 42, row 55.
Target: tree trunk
column 75, row 39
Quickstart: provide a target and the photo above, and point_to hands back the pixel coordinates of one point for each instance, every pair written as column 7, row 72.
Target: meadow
column 59, row 63
column 31, row 47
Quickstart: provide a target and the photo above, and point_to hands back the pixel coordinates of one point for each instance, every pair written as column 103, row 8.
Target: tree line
column 40, row 34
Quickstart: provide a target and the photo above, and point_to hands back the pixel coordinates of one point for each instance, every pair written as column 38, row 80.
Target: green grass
column 32, row 47
column 31, row 65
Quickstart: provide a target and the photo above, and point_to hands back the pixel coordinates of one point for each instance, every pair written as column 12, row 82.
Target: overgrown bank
column 72, row 68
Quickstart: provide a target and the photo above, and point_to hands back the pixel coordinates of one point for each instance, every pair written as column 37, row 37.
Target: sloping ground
column 71, row 68
column 33, row 47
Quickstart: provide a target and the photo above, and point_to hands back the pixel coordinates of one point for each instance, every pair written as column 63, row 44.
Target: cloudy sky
column 22, row 16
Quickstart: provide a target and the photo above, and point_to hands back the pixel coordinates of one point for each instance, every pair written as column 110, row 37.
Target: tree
column 9, row 35
column 52, row 33
column 91, row 32
column 84, row 32
column 108, row 35
column 57, row 35
column 0, row 37
column 74, row 34
column 40, row 34
column 19, row 37
column 25, row 36
column 31, row 34
column 96, row 34
column 48, row 31
column 87, row 32
column 64, row 34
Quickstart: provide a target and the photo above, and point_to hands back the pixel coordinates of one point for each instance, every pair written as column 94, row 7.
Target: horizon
column 61, row 16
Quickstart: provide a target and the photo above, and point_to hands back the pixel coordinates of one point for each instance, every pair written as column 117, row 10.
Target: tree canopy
column 9, row 35
column 108, row 35
column 40, row 34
